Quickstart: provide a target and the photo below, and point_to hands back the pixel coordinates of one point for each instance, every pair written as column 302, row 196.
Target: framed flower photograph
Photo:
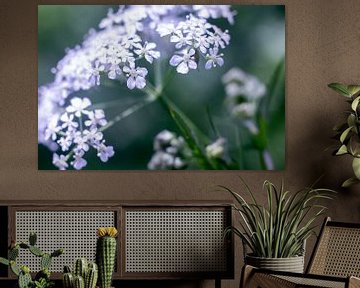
column 161, row 87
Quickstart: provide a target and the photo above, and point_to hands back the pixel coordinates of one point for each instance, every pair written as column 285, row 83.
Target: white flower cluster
column 75, row 131
column 243, row 94
column 168, row 152
column 194, row 37
column 217, row 149
column 127, row 40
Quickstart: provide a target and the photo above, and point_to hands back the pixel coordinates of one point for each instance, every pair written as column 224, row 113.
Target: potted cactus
column 106, row 254
column 42, row 278
column 84, row 275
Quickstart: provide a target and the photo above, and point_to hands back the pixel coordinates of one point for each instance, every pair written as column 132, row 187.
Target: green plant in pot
column 348, row 132
column 275, row 233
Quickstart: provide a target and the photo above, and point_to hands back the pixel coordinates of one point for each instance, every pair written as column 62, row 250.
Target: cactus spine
column 106, row 254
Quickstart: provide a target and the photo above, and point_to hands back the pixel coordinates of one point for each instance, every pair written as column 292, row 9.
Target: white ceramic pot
column 291, row 264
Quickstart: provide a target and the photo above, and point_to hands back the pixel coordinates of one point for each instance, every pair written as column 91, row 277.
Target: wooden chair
column 335, row 262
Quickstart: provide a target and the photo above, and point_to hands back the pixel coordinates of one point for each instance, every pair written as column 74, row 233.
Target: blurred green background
column 257, row 45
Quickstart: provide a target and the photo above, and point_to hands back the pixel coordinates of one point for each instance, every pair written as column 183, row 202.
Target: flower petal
column 220, row 61
column 192, row 64
column 175, row 60
column 131, row 83
column 140, row 82
column 182, row 68
column 209, row 64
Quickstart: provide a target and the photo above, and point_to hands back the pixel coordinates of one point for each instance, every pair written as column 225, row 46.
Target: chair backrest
column 337, row 251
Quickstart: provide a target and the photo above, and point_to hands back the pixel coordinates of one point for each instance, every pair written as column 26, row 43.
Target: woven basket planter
column 291, row 264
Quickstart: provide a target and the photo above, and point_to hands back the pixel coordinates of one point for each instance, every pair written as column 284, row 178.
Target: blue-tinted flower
column 148, row 52
column 65, row 142
column 165, row 161
column 136, row 76
column 105, row 152
column 93, row 136
column 79, row 162
column 169, row 149
column 184, row 62
column 81, row 141
column 96, row 118
column 214, row 58
column 60, row 161
column 180, row 39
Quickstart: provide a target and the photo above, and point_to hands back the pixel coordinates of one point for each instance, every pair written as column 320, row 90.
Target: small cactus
column 80, row 267
column 79, row 282
column 24, row 278
column 90, row 272
column 91, row 276
column 106, row 254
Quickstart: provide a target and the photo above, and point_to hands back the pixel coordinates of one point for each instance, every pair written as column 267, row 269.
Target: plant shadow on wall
column 161, row 87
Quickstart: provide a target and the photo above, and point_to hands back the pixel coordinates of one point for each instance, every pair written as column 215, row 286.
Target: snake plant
column 279, row 228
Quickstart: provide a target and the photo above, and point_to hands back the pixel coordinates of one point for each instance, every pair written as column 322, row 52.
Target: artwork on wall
column 161, row 87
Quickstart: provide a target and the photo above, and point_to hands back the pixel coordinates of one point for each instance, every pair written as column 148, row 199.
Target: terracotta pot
column 291, row 264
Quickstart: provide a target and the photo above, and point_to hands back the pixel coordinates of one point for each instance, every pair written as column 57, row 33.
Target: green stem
column 148, row 100
column 170, row 105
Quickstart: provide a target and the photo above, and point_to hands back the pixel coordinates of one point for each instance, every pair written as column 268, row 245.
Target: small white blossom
column 244, row 110
column 148, row 52
column 52, row 128
column 136, row 76
column 96, row 118
column 93, row 136
column 65, row 143
column 180, row 40
column 60, row 161
column 165, row 161
column 214, row 58
column 184, row 62
column 216, row 149
column 68, row 122
column 78, row 106
column 165, row 29
column 169, row 149
column 81, row 141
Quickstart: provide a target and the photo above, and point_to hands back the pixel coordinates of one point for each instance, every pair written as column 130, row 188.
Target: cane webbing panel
column 300, row 282
column 175, row 241
column 75, row 231
column 338, row 252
